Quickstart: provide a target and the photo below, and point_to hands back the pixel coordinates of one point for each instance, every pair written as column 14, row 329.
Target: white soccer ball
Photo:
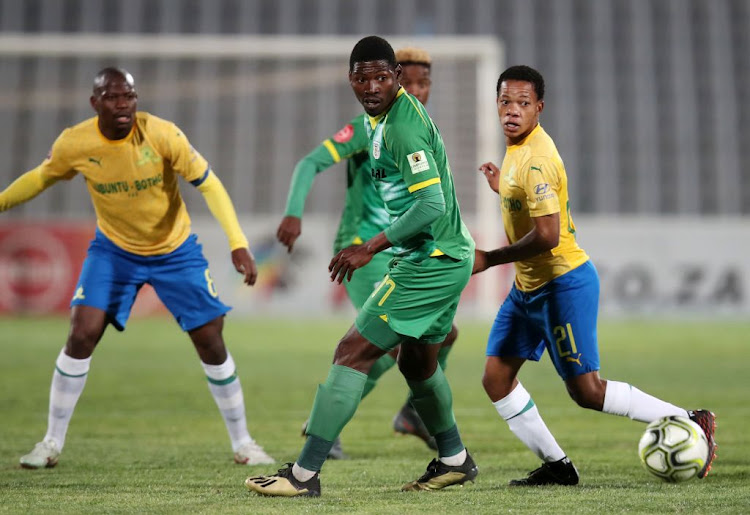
column 673, row 449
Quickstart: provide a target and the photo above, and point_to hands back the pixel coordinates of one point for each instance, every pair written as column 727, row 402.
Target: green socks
column 433, row 401
column 335, row 403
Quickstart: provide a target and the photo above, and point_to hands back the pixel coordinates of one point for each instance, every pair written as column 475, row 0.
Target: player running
column 555, row 299
column 131, row 162
column 364, row 215
column 417, row 299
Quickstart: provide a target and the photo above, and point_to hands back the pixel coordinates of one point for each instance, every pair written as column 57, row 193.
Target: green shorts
column 415, row 300
column 366, row 279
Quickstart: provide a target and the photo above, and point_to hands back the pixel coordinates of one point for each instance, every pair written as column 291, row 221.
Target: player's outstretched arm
column 305, row 170
column 221, row 207
column 25, row 188
column 492, row 174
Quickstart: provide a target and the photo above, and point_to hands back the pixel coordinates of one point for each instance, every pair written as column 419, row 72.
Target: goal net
column 253, row 105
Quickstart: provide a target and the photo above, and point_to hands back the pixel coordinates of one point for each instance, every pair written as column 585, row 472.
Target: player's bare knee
column 417, row 362
column 587, row 398
column 495, row 386
column 82, row 341
column 355, row 351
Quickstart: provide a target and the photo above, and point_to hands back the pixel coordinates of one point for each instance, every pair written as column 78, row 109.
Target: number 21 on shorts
column 565, row 341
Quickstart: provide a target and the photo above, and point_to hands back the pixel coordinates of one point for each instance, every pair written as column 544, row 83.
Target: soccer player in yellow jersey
column 131, row 162
column 554, row 301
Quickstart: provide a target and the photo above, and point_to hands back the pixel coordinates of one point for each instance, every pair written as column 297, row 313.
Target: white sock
column 68, row 381
column 628, row 401
column 227, row 391
column 523, row 418
column 455, row 460
column 301, row 473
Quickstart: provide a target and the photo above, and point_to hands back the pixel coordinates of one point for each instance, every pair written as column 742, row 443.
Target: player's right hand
column 492, row 174
column 289, row 230
column 347, row 261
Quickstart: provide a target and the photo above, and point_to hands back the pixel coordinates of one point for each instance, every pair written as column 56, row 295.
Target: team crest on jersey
column 418, row 162
column 376, row 149
column 344, row 134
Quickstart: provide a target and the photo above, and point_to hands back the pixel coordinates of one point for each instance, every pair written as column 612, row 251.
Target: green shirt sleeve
column 410, row 145
column 428, row 205
column 350, row 140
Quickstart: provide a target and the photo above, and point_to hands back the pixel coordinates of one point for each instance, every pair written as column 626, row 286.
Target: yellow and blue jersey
column 133, row 182
column 533, row 183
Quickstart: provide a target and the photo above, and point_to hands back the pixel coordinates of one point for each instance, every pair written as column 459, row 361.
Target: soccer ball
column 673, row 449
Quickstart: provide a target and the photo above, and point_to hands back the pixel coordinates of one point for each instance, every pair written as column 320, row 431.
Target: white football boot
column 252, row 454
column 45, row 454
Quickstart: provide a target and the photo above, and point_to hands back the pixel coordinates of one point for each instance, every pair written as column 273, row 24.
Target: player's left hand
column 347, row 261
column 480, row 262
column 492, row 173
column 244, row 263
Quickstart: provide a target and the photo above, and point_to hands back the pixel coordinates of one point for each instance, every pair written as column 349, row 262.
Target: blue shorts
column 560, row 316
column 111, row 277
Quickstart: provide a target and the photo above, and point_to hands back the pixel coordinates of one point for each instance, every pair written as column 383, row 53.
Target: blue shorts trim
column 111, row 278
column 560, row 316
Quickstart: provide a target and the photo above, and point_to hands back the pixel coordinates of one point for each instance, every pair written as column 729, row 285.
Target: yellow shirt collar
column 375, row 119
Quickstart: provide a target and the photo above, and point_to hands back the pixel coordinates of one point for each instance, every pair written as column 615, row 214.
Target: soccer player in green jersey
column 554, row 301
column 364, row 215
column 132, row 162
column 417, row 299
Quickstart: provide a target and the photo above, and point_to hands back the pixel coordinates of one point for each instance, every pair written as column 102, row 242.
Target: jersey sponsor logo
column 345, row 134
column 544, row 197
column 418, row 162
column 512, row 204
column 376, row 149
column 377, row 173
column 106, row 188
column 541, row 189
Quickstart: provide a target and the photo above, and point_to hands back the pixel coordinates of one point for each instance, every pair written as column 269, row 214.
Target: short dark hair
column 110, row 72
column 526, row 74
column 372, row 48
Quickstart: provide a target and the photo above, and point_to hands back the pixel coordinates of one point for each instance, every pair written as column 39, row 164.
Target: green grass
column 146, row 436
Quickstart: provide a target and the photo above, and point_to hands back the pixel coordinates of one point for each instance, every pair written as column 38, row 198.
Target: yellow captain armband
column 26, row 187
column 221, row 207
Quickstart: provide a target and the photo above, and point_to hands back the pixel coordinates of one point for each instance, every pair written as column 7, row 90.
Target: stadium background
column 646, row 100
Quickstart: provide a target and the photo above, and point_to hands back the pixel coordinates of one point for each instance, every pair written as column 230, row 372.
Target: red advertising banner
column 39, row 264
column 39, row 267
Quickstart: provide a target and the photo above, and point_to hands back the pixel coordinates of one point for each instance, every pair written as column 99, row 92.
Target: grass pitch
column 147, row 438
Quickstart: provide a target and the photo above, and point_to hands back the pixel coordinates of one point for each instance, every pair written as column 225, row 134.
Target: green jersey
column 364, row 214
column 406, row 155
